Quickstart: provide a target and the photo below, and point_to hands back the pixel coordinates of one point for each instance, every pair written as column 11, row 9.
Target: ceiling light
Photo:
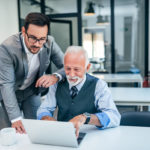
column 102, row 20
column 89, row 10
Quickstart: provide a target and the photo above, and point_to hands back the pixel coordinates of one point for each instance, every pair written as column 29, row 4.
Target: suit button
column 72, row 103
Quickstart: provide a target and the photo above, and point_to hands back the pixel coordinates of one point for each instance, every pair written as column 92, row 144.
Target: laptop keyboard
column 81, row 136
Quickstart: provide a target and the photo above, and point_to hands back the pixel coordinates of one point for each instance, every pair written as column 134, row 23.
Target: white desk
column 120, row 138
column 121, row 78
column 131, row 96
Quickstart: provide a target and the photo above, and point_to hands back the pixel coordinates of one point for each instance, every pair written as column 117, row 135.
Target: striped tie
column 74, row 92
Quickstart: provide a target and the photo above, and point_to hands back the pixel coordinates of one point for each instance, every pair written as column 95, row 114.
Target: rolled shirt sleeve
column 108, row 114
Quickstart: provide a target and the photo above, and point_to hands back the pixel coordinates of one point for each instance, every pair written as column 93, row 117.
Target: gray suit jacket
column 14, row 69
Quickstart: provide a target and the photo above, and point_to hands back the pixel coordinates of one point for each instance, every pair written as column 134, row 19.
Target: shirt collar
column 79, row 86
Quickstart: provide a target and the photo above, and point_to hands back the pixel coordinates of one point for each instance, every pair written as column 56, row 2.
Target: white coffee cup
column 8, row 136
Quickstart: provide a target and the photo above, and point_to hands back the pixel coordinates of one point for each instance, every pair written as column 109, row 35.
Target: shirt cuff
column 17, row 119
column 39, row 117
column 59, row 76
column 104, row 119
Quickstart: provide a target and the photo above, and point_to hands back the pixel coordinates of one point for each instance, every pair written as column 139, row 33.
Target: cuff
column 104, row 119
column 58, row 75
column 14, row 120
column 39, row 117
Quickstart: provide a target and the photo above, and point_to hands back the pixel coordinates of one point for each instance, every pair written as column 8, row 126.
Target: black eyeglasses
column 32, row 39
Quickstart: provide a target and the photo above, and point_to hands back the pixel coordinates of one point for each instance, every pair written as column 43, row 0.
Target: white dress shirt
column 33, row 67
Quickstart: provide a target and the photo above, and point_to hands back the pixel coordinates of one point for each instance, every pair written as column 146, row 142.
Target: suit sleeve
column 57, row 57
column 7, row 84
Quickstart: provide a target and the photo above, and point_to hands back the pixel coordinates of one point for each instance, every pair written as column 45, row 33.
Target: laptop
column 52, row 132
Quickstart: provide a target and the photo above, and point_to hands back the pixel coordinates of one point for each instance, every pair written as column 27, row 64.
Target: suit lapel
column 43, row 57
column 24, row 57
column 25, row 64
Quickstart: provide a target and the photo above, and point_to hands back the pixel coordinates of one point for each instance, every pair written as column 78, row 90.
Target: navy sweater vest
column 83, row 102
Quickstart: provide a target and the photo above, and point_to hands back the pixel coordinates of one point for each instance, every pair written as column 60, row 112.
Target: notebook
column 52, row 133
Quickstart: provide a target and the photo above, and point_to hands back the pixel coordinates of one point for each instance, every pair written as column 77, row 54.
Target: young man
column 81, row 98
column 24, row 58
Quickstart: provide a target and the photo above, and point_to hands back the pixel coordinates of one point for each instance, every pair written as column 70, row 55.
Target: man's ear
column 23, row 30
column 88, row 67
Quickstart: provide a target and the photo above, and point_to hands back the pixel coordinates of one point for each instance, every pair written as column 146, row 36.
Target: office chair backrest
column 135, row 119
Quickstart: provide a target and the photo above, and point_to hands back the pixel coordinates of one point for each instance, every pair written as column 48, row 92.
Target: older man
column 81, row 98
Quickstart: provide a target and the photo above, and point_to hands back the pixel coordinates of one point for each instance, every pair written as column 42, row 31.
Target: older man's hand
column 78, row 121
column 48, row 118
column 46, row 81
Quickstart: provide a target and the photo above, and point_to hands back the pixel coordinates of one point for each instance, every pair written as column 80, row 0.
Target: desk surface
column 131, row 96
column 120, row 138
column 126, row 78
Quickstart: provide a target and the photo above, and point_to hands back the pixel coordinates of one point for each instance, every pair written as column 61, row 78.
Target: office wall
column 8, row 18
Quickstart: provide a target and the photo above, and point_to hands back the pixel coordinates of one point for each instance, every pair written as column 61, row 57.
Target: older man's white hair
column 77, row 49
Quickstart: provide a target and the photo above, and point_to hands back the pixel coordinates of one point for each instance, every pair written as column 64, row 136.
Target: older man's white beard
column 71, row 83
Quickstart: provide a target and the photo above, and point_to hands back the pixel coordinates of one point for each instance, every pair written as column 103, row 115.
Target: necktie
column 74, row 92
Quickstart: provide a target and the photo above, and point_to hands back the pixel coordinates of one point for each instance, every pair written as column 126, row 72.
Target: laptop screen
column 52, row 132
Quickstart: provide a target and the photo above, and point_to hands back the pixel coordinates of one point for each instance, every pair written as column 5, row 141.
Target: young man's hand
column 18, row 126
column 46, row 81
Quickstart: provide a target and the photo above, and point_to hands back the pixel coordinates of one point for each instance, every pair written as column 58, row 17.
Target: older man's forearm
column 48, row 118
